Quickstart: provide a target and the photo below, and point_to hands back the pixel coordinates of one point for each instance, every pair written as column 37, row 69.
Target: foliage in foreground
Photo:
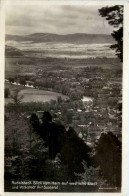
column 71, row 148
column 108, row 157
column 114, row 16
column 27, row 156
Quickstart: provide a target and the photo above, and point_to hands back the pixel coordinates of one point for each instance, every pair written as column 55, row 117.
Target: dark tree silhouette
column 52, row 134
column 114, row 16
column 108, row 157
column 11, row 80
column 6, row 92
column 72, row 149
column 22, row 81
column 34, row 121
column 73, row 153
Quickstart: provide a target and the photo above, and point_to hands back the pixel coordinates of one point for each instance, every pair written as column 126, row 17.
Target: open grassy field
column 34, row 95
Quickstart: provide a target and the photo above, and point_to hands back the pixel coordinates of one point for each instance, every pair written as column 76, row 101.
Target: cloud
column 57, row 19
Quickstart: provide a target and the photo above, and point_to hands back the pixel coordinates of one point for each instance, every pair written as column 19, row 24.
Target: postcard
column 65, row 97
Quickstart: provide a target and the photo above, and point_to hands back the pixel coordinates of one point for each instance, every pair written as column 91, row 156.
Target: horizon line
column 59, row 34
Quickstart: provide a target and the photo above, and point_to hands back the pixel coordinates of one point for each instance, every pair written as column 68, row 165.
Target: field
column 35, row 95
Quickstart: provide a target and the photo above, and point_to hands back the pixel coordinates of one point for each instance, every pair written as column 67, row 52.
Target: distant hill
column 78, row 38
column 11, row 51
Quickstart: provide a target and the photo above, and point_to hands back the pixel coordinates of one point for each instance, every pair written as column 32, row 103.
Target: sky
column 58, row 19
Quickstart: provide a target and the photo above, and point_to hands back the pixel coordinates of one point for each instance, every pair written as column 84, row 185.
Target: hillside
column 78, row 38
column 12, row 51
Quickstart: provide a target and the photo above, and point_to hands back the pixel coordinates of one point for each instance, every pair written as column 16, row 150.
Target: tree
column 16, row 97
column 73, row 153
column 114, row 16
column 73, row 96
column 112, row 102
column 69, row 117
column 59, row 99
column 34, row 121
column 71, row 148
column 6, row 93
column 11, row 80
column 52, row 134
column 22, row 81
column 108, row 157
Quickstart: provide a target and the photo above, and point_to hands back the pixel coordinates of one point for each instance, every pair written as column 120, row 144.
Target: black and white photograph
column 63, row 98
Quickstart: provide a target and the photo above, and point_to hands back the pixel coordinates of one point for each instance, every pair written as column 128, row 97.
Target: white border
column 125, row 87
column 2, row 49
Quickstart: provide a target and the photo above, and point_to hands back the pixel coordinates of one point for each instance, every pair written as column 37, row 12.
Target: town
column 94, row 96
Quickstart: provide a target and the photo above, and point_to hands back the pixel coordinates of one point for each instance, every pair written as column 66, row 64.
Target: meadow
column 35, row 95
